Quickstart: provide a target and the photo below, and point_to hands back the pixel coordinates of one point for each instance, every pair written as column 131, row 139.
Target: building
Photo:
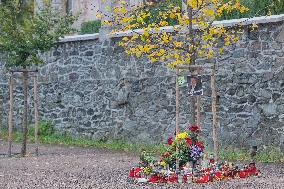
column 85, row 9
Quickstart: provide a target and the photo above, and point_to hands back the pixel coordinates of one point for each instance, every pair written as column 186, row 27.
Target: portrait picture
column 194, row 84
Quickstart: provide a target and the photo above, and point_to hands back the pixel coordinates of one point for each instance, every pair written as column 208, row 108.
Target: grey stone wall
column 93, row 89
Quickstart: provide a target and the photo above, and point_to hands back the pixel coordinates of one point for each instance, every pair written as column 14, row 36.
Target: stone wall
column 92, row 88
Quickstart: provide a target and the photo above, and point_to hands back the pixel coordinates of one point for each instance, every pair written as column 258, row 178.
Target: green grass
column 90, row 27
column 270, row 154
column 68, row 140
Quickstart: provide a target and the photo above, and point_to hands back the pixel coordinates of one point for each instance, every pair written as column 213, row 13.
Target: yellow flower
column 182, row 135
column 163, row 23
column 163, row 163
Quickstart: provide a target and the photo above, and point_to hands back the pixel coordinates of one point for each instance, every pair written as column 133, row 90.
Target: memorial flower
column 194, row 128
column 181, row 135
column 170, row 140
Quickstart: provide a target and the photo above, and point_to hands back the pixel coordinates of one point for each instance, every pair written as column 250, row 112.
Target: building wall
column 92, row 88
column 85, row 9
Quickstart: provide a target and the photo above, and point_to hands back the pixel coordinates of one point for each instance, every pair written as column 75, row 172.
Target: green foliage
column 147, row 152
column 24, row 34
column 90, row 27
column 233, row 154
column 154, row 10
column 257, row 8
column 45, row 128
column 146, row 157
column 270, row 154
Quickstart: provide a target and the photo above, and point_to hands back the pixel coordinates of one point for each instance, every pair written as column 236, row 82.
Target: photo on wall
column 194, row 84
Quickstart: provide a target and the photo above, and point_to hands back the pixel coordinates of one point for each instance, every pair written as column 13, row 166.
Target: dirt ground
column 74, row 167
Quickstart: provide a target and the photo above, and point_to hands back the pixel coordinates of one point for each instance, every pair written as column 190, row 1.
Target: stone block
column 276, row 45
column 280, row 36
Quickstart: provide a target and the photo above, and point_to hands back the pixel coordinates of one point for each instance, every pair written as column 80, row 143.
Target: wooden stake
column 177, row 114
column 10, row 116
column 25, row 114
column 214, row 115
column 36, row 112
column 198, row 111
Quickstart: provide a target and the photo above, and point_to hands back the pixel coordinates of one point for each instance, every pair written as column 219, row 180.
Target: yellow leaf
column 125, row 39
column 145, row 33
column 99, row 16
column 163, row 23
column 162, row 51
column 139, row 19
column 107, row 8
column 209, row 12
column 153, row 59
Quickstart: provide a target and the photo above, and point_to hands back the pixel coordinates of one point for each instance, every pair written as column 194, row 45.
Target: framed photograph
column 194, row 84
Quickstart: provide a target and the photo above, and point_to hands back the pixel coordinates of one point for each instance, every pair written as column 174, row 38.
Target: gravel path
column 72, row 167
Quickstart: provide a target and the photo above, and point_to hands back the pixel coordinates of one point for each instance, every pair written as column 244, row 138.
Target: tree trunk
column 214, row 114
column 36, row 112
column 25, row 114
column 10, row 116
column 192, row 62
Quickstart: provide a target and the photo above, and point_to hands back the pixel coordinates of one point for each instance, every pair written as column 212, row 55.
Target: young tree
column 194, row 36
column 24, row 35
column 194, row 32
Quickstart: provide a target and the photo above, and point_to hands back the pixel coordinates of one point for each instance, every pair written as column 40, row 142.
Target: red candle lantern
column 184, row 178
column 154, row 178
column 132, row 172
column 172, row 178
column 243, row 173
column 217, row 175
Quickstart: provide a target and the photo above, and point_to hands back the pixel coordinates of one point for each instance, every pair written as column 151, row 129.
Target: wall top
column 225, row 23
column 84, row 37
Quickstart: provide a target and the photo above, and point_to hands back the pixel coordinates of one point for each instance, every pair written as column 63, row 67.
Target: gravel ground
column 72, row 167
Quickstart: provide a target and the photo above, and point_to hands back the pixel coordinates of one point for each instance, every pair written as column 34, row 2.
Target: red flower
column 188, row 140
column 137, row 172
column 170, row 140
column 194, row 128
column 199, row 144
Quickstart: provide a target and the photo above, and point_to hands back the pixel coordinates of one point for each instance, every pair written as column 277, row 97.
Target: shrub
column 90, row 27
column 45, row 128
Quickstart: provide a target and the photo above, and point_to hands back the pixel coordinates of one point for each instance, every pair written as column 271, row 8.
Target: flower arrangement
column 185, row 146
column 188, row 148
